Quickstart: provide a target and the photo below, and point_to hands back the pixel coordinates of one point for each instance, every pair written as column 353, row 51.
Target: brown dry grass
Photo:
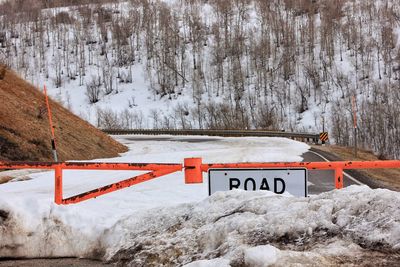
column 388, row 177
column 5, row 179
column 25, row 133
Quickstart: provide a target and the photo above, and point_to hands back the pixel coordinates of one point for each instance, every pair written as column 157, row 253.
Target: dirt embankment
column 25, row 133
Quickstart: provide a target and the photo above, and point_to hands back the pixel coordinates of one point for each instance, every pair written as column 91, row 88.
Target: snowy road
column 319, row 180
column 322, row 180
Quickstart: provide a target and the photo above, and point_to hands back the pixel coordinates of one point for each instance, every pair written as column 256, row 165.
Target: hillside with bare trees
column 218, row 64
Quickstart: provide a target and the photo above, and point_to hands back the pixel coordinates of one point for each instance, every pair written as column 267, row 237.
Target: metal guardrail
column 305, row 137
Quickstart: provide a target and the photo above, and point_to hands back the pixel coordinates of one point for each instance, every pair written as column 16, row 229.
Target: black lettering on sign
column 283, row 185
column 252, row 181
column 234, row 183
column 264, row 184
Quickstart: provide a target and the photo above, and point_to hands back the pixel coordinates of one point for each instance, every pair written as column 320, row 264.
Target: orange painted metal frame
column 193, row 168
column 156, row 170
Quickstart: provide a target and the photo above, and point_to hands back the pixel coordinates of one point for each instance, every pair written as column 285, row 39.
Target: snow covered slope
column 167, row 222
column 291, row 65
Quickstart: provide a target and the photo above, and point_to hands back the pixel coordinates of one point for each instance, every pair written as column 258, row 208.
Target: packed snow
column 165, row 222
column 258, row 229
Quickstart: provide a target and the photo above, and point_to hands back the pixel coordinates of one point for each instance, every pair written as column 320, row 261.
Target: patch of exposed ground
column 25, row 133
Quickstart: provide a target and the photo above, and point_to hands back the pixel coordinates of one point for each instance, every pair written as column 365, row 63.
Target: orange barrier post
column 193, row 173
column 58, row 192
column 339, row 178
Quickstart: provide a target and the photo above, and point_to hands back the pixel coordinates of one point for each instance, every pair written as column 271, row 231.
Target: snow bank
column 248, row 228
column 237, row 227
column 261, row 256
column 32, row 226
column 167, row 222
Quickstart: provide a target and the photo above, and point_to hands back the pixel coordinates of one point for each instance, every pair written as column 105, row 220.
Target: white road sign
column 279, row 181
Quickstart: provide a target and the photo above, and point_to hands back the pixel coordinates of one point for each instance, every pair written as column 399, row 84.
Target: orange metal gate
column 156, row 170
column 193, row 168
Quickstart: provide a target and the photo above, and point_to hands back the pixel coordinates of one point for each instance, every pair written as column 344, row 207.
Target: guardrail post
column 193, row 173
column 339, row 178
column 58, row 192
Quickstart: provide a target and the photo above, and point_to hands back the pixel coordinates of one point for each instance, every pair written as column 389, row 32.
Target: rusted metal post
column 58, row 191
column 339, row 178
column 193, row 173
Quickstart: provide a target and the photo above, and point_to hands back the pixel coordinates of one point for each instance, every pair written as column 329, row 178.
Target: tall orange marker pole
column 53, row 137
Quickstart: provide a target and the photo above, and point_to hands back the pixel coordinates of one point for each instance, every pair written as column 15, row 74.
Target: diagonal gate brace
column 116, row 186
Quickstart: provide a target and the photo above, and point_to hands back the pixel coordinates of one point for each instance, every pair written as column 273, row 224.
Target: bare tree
column 93, row 90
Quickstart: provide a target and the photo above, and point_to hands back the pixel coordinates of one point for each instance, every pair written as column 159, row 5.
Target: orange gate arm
column 156, row 170
column 193, row 168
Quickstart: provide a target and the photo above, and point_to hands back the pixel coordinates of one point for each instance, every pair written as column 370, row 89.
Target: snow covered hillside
column 291, row 65
column 165, row 222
